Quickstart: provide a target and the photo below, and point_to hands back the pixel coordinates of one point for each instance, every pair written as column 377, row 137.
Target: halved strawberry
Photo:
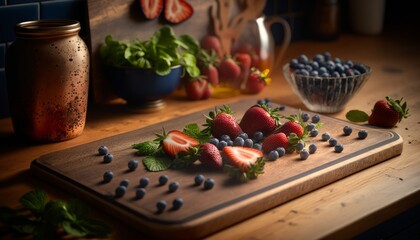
column 241, row 157
column 175, row 142
column 151, row 8
column 177, row 11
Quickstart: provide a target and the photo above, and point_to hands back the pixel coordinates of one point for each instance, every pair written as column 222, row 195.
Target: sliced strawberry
column 175, row 142
column 242, row 157
column 177, row 11
column 151, row 8
column 197, row 88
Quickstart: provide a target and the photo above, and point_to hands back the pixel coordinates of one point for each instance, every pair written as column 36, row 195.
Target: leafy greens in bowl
column 162, row 51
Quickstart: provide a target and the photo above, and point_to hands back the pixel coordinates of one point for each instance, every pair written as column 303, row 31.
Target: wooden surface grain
column 341, row 209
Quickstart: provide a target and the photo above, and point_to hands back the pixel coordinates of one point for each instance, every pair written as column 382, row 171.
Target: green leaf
column 76, row 209
column 17, row 222
column 74, row 229
column 357, row 116
column 92, row 227
column 55, row 212
column 157, row 163
column 146, row 148
column 34, row 200
column 194, row 131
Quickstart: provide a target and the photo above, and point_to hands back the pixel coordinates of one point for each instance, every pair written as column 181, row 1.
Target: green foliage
column 48, row 215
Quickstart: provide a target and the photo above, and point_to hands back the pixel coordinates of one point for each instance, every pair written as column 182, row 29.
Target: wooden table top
column 341, row 209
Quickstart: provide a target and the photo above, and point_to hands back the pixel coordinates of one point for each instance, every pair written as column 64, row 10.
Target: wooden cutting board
column 80, row 169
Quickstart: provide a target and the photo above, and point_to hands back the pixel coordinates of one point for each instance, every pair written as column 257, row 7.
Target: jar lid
column 47, row 28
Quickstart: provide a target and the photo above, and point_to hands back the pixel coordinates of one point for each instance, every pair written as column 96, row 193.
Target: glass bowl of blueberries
column 325, row 84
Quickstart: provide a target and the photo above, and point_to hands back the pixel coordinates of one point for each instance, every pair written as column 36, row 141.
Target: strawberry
column 175, row 142
column 241, row 157
column 244, row 60
column 211, row 73
column 260, row 118
column 208, row 91
column 211, row 43
column 177, row 11
column 208, row 62
column 256, row 81
column 387, row 113
column 196, row 88
column 291, row 126
column 229, row 70
column 151, row 8
column 221, row 121
column 274, row 141
column 210, row 156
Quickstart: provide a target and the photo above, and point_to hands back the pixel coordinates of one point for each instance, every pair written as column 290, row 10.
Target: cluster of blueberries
column 144, row 182
column 322, row 65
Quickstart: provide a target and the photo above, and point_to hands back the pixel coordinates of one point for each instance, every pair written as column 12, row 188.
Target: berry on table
column 120, row 191
column 248, row 143
column 362, row 134
column 177, row 203
column 312, row 148
column 281, row 151
column 305, row 116
column 325, row 137
column 243, row 135
column 304, row 154
column 300, row 145
column 108, row 175
column 108, row 158
column 161, row 205
column 224, row 137
column 140, row 193
column 222, row 144
column 124, row 182
column 273, row 155
column 332, row 142
column 198, row 179
column 257, row 146
column 144, row 181
column 310, row 127
column 132, row 164
column 347, row 130
column 316, row 118
column 338, row 148
column 258, row 136
column 103, row 150
column 209, row 183
column 163, row 179
column 238, row 141
column 173, row 186
column 313, row 133
column 214, row 141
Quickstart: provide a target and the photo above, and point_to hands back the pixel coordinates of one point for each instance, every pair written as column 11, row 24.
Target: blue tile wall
column 16, row 11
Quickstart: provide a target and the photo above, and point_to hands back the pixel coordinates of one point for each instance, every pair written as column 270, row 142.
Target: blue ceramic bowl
column 136, row 85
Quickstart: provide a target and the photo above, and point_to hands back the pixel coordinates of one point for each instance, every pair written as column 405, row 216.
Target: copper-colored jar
column 47, row 72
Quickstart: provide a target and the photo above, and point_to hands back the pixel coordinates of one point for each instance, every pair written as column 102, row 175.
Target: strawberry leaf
column 146, row 148
column 357, row 116
column 194, row 131
column 157, row 163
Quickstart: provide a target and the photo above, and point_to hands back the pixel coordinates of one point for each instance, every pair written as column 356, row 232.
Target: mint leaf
column 157, row 163
column 146, row 148
column 194, row 131
column 55, row 212
column 34, row 200
column 76, row 209
column 74, row 229
column 357, row 116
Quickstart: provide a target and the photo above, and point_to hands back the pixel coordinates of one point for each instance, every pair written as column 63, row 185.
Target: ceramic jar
column 47, row 72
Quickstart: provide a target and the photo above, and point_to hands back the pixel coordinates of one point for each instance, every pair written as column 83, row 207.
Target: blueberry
column 140, row 193
column 273, row 155
column 312, row 148
column 258, row 136
column 214, row 141
column 325, row 137
column 229, row 142
column 314, row 64
column 120, row 191
column 224, row 137
column 300, row 145
column 103, row 150
column 144, row 181
column 124, row 182
column 319, row 58
column 332, row 142
column 314, row 73
column 161, row 205
column 173, row 186
column 209, row 183
column 257, row 146
column 304, row 154
column 281, row 151
column 108, row 175
column 243, row 135
column 338, row 148
column 316, row 118
column 303, row 59
column 132, row 164
column 248, row 143
column 222, row 144
column 177, row 203
column 313, row 133
column 198, row 179
column 263, row 101
column 108, row 158
column 238, row 141
column 163, row 179
column 281, row 107
column 305, row 116
column 362, row 134
column 310, row 126
column 347, row 130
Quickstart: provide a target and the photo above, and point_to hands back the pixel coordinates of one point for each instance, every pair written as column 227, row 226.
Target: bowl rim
column 369, row 71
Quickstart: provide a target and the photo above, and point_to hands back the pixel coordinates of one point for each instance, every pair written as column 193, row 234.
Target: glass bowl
column 325, row 94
